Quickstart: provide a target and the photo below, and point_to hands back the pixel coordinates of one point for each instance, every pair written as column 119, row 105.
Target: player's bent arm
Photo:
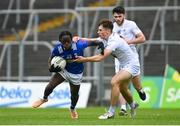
column 140, row 38
column 51, row 66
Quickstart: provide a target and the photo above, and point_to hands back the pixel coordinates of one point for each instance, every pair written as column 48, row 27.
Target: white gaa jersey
column 121, row 50
column 128, row 30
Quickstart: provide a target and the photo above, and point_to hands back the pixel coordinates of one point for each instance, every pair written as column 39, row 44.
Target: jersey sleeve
column 83, row 44
column 55, row 51
column 99, row 39
column 135, row 28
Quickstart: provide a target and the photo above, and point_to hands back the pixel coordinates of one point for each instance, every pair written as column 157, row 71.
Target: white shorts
column 75, row 79
column 134, row 70
column 117, row 65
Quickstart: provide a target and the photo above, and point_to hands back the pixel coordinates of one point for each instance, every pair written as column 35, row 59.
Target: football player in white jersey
column 117, row 47
column 130, row 32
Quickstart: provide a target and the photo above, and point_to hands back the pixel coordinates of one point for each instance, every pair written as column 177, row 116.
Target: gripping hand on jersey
column 56, row 69
column 101, row 46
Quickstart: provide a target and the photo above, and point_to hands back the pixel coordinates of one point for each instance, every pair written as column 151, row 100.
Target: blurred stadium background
column 29, row 29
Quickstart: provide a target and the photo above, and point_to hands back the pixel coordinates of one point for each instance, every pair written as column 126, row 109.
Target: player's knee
column 114, row 83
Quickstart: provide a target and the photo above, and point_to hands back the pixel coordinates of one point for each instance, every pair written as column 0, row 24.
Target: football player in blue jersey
column 73, row 72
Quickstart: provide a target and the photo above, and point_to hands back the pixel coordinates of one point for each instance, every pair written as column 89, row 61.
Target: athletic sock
column 72, row 107
column 141, row 90
column 111, row 109
column 123, row 107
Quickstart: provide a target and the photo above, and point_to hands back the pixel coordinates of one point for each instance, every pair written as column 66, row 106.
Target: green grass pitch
column 87, row 116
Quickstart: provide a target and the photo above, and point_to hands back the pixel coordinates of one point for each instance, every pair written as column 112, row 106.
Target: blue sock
column 72, row 107
column 132, row 105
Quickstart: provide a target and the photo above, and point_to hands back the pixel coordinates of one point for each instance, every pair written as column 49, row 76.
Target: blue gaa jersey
column 77, row 49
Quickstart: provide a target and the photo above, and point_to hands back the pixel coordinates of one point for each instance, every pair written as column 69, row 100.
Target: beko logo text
column 17, row 92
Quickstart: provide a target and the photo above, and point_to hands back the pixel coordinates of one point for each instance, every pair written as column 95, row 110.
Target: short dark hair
column 65, row 33
column 119, row 10
column 106, row 23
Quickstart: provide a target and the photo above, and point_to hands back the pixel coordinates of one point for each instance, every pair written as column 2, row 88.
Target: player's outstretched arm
column 99, row 44
column 92, row 42
column 76, row 38
column 95, row 58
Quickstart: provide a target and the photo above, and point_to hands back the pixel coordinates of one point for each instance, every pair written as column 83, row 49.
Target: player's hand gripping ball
column 58, row 63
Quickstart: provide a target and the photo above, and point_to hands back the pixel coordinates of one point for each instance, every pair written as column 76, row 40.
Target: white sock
column 111, row 109
column 123, row 106
column 141, row 90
